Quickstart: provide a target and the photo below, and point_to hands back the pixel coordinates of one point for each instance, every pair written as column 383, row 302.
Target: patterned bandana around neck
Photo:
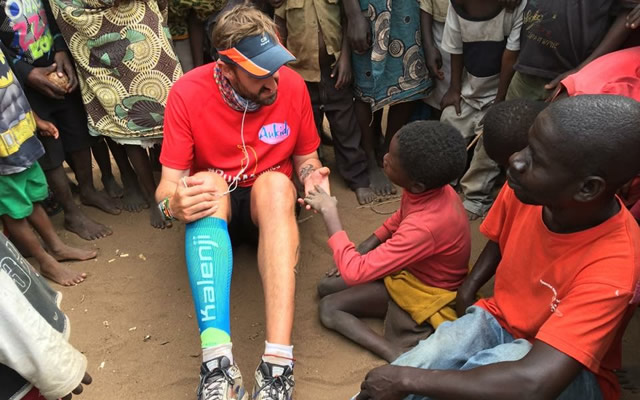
column 233, row 99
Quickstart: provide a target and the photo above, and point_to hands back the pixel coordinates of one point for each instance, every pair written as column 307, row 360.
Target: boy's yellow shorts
column 18, row 192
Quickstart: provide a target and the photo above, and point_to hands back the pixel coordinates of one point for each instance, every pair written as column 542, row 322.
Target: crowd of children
column 540, row 93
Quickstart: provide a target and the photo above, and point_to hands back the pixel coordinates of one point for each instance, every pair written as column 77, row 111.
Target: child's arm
column 46, row 128
column 281, row 25
column 453, row 95
column 612, row 41
column 196, row 38
column 509, row 59
column 33, row 348
column 431, row 52
column 358, row 28
column 342, row 68
column 482, row 271
column 452, row 44
column 326, row 205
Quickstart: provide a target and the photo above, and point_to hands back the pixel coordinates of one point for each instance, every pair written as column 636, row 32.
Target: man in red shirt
column 236, row 131
column 566, row 258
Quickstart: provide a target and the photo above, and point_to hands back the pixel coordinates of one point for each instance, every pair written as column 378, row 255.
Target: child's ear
column 591, row 188
column 417, row 187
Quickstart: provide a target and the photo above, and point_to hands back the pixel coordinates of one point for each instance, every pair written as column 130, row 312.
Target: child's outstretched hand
column 320, row 200
column 46, row 128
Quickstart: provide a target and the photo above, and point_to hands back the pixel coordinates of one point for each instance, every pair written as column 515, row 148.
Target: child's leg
column 74, row 218
column 342, row 311
column 330, row 285
column 399, row 115
column 21, row 232
column 378, row 180
column 59, row 250
column 142, row 166
column 350, row 157
column 101, row 154
column 132, row 200
column 84, row 175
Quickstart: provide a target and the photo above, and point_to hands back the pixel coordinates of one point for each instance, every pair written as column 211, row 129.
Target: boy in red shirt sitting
column 409, row 269
column 564, row 252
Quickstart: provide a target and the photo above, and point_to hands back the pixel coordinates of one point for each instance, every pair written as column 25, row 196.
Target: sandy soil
column 146, row 294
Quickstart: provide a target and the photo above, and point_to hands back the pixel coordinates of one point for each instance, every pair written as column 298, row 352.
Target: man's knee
column 213, row 180
column 275, row 191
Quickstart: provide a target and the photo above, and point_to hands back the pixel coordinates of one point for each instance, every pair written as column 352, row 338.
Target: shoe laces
column 212, row 383
column 274, row 386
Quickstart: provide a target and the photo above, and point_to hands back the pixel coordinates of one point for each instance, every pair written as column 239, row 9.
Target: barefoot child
column 323, row 59
column 417, row 259
column 23, row 184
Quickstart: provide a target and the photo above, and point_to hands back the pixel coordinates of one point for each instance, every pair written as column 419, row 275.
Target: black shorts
column 241, row 227
column 70, row 117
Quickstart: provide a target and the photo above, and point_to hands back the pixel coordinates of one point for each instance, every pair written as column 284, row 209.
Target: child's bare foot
column 111, row 187
column 133, row 200
column 156, row 219
column 365, row 195
column 68, row 253
column 60, row 274
column 91, row 197
column 84, row 227
column 380, row 184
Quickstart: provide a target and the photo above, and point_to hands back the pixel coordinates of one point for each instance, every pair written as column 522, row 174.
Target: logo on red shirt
column 274, row 133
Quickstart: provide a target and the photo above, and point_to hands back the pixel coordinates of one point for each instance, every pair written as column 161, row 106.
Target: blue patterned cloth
column 393, row 70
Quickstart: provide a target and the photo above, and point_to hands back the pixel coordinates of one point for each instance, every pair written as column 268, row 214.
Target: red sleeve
column 388, row 227
column 308, row 138
column 586, row 322
column 410, row 242
column 492, row 225
column 177, row 143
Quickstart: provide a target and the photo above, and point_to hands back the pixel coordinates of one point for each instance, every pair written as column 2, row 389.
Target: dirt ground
column 133, row 317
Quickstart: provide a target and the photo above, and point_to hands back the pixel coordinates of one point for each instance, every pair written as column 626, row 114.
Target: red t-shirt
column 201, row 132
column 574, row 292
column 428, row 236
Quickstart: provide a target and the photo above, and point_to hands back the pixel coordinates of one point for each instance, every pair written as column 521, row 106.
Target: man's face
column 262, row 91
column 537, row 174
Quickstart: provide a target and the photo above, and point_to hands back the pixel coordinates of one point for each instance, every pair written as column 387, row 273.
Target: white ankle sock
column 280, row 354
column 214, row 352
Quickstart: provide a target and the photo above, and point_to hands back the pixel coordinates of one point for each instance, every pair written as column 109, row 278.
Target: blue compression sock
column 209, row 263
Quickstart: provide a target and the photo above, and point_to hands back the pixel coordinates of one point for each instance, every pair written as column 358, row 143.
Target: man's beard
column 242, row 91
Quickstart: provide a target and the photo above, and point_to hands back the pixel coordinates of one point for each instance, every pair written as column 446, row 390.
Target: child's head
column 506, row 127
column 425, row 155
column 581, row 150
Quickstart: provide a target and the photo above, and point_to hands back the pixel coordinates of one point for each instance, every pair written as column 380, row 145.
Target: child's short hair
column 506, row 127
column 432, row 153
column 598, row 135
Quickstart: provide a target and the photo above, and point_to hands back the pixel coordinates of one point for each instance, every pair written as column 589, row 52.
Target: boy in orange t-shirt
column 565, row 255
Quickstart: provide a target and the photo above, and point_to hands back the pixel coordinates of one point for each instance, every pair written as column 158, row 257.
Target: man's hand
column 555, row 86
column 65, row 66
column 383, row 383
column 86, row 380
column 359, row 34
column 451, row 98
column 311, row 177
column 195, row 198
column 38, row 80
column 509, row 5
column 434, row 62
column 342, row 71
column 320, row 200
column 46, row 128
